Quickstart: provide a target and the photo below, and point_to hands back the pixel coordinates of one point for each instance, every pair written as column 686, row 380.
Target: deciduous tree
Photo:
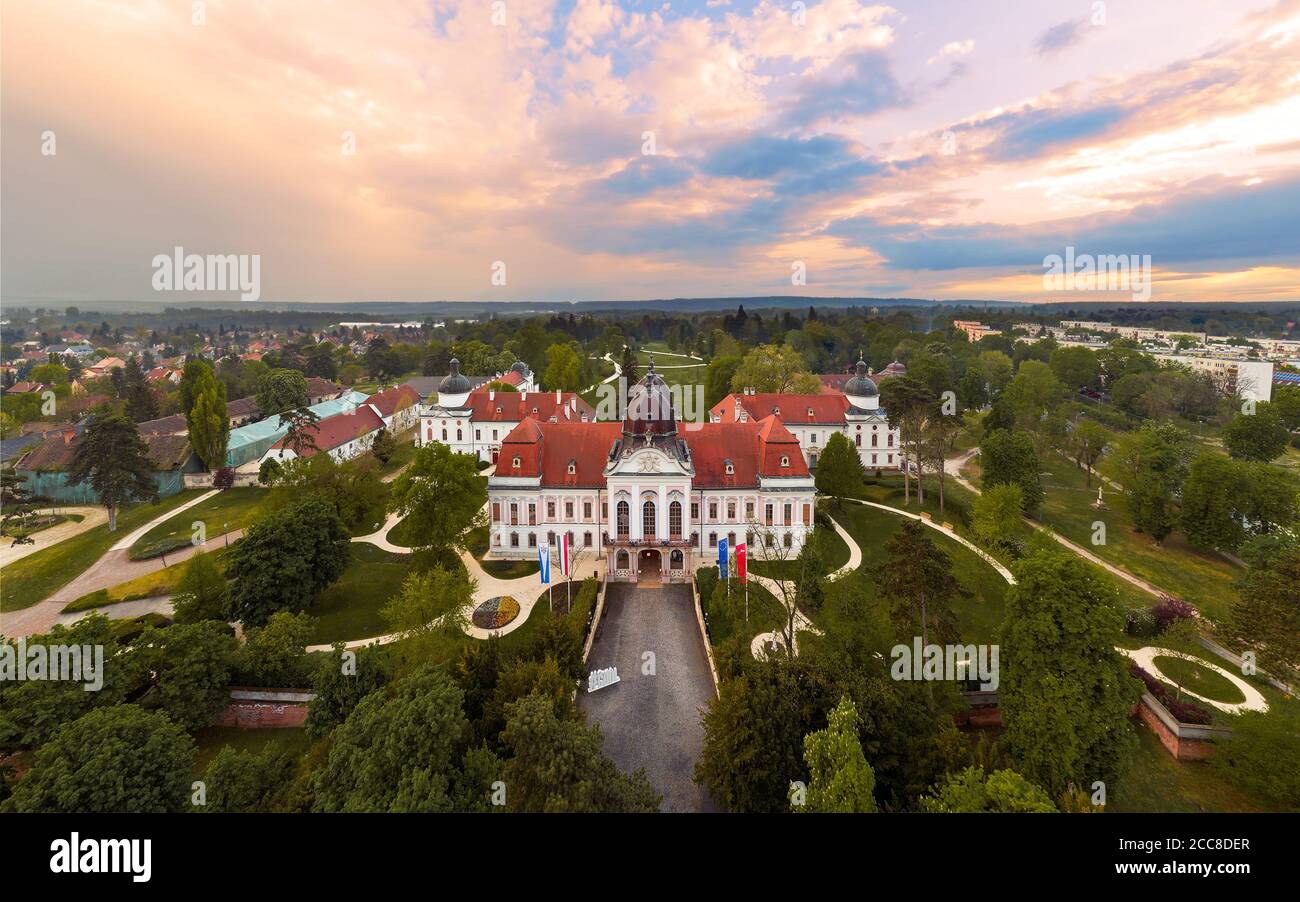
column 840, row 779
column 113, row 760
column 1065, row 692
column 113, row 458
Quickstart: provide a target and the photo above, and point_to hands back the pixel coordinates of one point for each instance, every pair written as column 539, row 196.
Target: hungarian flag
column 740, row 561
column 564, row 554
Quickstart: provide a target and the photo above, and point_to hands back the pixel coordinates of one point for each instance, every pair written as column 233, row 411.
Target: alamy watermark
column 1104, row 272
column 180, row 271
column 683, row 403
column 946, row 663
column 20, row 662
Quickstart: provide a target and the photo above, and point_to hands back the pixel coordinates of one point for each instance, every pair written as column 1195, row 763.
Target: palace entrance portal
column 649, row 565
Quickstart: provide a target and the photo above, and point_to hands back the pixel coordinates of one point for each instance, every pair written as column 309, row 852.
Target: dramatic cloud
column 613, row 149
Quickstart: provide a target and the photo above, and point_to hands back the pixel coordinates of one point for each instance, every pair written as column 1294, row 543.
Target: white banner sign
column 599, row 679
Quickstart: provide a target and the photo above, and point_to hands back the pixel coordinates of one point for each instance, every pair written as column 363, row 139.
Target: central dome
column 650, row 410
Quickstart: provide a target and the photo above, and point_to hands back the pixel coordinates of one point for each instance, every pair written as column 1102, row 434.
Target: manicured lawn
column 478, row 546
column 979, row 616
column 1203, row 579
column 211, row 740
column 523, row 635
column 766, row 613
column 349, row 609
column 37, row 576
column 225, row 512
column 1193, row 677
column 676, row 369
column 402, row 456
column 402, row 534
column 160, row 582
column 835, row 554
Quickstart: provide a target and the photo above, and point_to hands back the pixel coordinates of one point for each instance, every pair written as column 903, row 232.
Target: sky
column 564, row 150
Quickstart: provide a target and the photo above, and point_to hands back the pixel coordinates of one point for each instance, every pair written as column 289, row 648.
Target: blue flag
column 722, row 558
column 544, row 561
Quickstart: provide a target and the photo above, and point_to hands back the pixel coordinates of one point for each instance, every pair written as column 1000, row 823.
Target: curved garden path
column 952, row 466
column 524, row 589
column 91, row 516
column 801, row 622
column 113, row 568
column 1145, row 658
column 758, row 645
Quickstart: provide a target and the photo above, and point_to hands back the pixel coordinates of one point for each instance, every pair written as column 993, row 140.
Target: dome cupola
column 650, row 411
column 861, row 390
column 455, row 388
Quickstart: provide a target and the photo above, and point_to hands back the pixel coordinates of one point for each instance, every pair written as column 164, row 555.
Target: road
column 652, row 720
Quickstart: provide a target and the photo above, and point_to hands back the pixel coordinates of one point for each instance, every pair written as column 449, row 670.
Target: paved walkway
column 90, row 518
column 759, row 645
column 651, row 717
column 524, row 589
column 1145, row 658
column 953, row 465
column 781, row 589
column 113, row 568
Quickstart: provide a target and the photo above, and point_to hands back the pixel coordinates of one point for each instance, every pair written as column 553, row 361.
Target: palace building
column 853, row 410
column 650, row 495
column 474, row 419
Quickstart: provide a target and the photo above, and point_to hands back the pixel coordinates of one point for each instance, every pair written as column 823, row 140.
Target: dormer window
column 498, row 410
column 573, row 468
column 810, row 413
column 516, row 463
column 776, row 411
column 731, row 468
column 785, row 461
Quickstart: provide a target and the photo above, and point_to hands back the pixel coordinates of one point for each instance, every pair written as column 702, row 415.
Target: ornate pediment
column 647, row 461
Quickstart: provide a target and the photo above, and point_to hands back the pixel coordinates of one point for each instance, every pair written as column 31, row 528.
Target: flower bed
column 495, row 612
column 1183, row 712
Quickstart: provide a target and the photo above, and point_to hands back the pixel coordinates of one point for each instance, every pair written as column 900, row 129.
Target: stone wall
column 1185, row 742
column 256, row 709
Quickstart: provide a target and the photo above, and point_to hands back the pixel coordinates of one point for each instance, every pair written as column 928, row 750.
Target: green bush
column 158, row 549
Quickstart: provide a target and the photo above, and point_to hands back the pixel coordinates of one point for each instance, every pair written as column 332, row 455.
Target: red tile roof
column 394, row 399
column 754, row 449
column 333, row 432
column 515, row 406
column 826, row 409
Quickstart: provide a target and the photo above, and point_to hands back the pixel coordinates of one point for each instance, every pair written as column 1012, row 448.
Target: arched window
column 624, row 518
column 675, row 560
column 675, row 519
column 458, row 435
column 648, row 522
column 621, row 560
